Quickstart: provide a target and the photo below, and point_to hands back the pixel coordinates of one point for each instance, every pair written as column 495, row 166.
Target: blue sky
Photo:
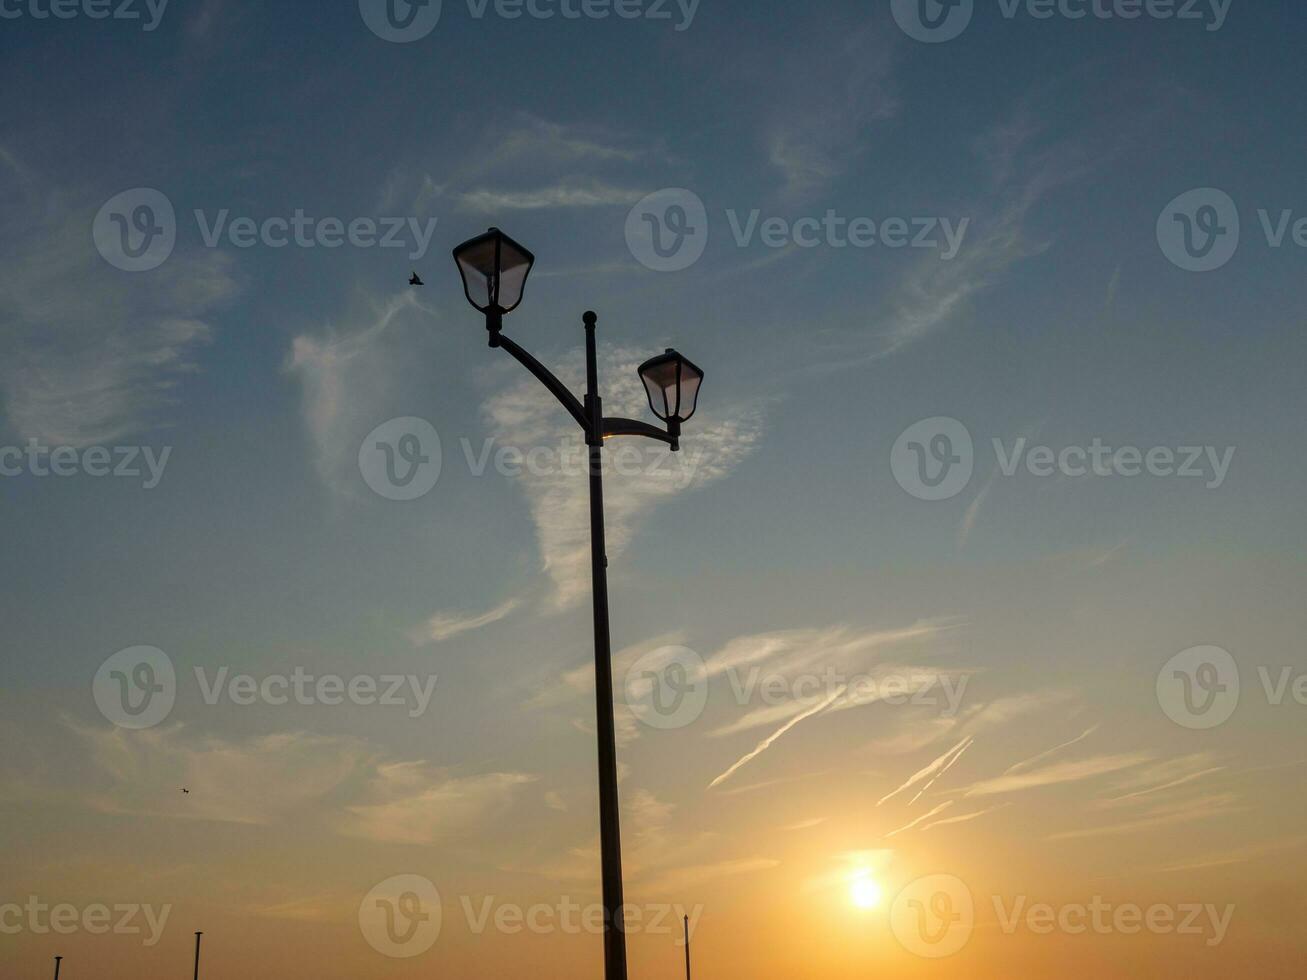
column 1052, row 146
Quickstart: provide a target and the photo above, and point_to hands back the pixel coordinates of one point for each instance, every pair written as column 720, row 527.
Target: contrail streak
column 921, row 774
column 767, row 742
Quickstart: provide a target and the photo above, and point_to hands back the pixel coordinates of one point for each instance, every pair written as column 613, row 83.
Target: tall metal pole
column 56, row 967
column 197, row 955
column 687, row 948
column 610, row 836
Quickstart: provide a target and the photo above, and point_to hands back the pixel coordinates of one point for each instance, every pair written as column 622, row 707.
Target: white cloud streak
column 446, row 625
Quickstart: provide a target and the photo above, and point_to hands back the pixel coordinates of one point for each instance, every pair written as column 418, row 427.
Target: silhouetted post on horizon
column 56, row 967
column 687, row 948
column 494, row 269
column 197, row 955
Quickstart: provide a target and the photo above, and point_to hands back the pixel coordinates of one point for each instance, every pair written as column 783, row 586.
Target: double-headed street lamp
column 494, row 270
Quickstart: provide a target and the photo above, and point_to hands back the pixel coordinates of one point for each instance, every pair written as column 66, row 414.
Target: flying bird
column 185, row 790
column 416, row 281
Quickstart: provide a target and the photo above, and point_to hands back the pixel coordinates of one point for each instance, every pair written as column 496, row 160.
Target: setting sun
column 865, row 893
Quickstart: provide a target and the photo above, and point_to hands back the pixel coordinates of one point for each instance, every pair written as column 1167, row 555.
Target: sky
column 962, row 638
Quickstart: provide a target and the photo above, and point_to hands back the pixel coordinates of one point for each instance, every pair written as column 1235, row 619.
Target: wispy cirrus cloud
column 88, row 353
column 349, row 374
column 1022, row 161
column 408, row 803
column 1161, row 815
column 1058, row 773
column 527, row 163
column 822, row 98
column 339, row 784
column 588, row 193
column 447, row 625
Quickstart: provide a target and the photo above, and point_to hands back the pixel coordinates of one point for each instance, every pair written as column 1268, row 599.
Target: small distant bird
column 186, row 791
column 416, row 281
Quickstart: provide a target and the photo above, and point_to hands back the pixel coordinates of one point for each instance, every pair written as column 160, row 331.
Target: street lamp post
column 494, row 269
column 686, row 921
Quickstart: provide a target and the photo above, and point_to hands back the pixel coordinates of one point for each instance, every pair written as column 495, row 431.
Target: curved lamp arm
column 547, row 378
column 630, row 427
column 611, row 426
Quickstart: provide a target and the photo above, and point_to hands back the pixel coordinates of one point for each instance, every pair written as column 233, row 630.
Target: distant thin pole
column 56, row 967
column 197, row 955
column 687, row 948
